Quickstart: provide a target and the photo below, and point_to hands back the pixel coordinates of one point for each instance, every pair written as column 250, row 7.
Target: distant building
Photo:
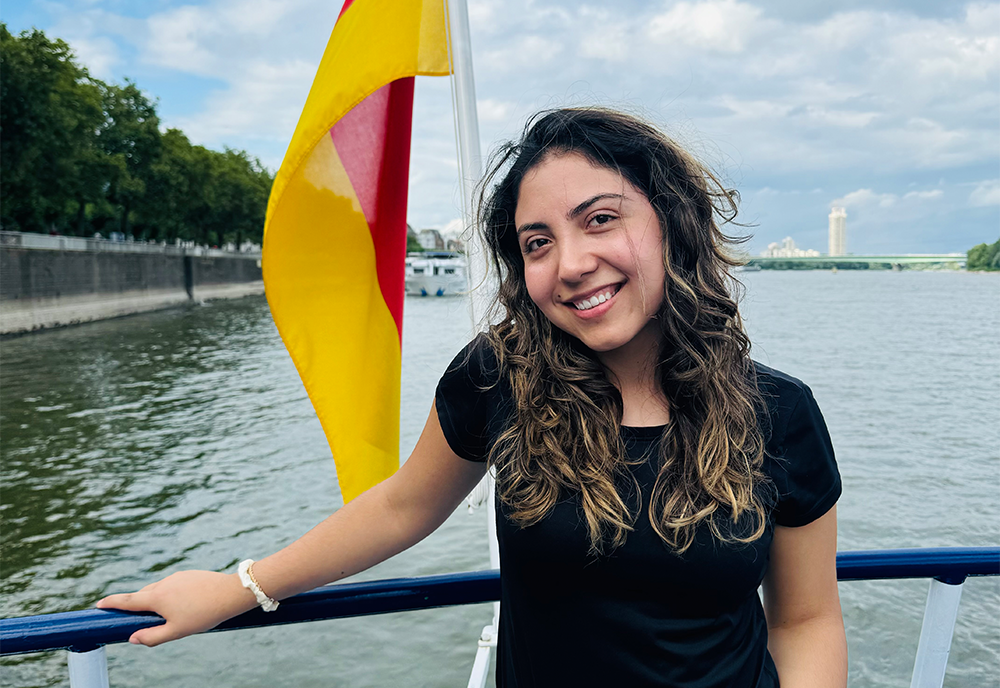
column 787, row 249
column 453, row 234
column 838, row 232
column 430, row 240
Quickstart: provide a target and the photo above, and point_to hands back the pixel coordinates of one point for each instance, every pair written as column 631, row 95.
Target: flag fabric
column 335, row 234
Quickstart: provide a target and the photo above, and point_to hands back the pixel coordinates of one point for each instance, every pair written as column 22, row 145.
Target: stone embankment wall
column 42, row 288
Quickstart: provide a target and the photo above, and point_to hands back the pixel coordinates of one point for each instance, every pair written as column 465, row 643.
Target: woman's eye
column 535, row 244
column 601, row 219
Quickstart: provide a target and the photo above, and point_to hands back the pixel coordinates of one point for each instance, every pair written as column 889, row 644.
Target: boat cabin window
column 418, row 271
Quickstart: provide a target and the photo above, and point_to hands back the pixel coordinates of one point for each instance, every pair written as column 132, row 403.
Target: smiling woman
column 650, row 475
column 647, row 469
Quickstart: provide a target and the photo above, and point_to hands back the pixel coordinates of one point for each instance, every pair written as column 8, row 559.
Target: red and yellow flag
column 335, row 235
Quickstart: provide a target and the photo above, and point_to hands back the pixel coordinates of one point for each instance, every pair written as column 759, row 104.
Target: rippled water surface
column 183, row 439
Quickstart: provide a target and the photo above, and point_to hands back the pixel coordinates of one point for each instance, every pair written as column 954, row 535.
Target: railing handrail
column 947, row 564
column 85, row 630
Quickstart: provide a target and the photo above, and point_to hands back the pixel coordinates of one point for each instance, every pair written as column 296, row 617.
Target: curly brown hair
column 566, row 431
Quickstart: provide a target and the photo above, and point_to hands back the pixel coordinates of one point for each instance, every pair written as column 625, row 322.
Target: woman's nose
column 576, row 261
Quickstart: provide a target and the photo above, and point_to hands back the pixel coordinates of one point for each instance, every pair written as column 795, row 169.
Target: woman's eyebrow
column 572, row 214
column 530, row 226
column 591, row 201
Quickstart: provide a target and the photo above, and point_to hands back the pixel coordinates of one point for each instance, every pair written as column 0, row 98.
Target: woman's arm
column 383, row 521
column 804, row 623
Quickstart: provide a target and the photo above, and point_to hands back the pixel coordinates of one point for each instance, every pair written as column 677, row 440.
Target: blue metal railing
column 949, row 565
column 82, row 631
column 86, row 630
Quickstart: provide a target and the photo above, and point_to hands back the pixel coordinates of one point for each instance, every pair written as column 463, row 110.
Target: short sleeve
column 468, row 401
column 805, row 472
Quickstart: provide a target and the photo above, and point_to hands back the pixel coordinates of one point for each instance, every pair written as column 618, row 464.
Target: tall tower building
column 838, row 232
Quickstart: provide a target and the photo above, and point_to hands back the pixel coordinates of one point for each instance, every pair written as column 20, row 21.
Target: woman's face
column 593, row 252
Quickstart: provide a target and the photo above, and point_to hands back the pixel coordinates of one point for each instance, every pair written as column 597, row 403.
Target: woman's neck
column 633, row 369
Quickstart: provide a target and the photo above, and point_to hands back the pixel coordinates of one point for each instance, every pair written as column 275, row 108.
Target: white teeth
column 595, row 300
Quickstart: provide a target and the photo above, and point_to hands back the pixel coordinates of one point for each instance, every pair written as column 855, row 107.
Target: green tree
column 179, row 192
column 201, row 195
column 80, row 155
column 240, row 186
column 51, row 113
column 130, row 137
column 984, row 257
column 412, row 245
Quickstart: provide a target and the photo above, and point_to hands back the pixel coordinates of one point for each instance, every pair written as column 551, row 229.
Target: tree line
column 79, row 156
column 983, row 257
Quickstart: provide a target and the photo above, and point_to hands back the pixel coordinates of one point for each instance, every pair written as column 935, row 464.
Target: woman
column 650, row 476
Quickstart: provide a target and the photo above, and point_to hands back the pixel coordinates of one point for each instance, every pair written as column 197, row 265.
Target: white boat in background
column 436, row 273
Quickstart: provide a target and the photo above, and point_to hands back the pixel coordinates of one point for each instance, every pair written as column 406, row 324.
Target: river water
column 183, row 439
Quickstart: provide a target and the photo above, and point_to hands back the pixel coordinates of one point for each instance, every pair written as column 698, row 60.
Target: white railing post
column 481, row 667
column 935, row 634
column 88, row 669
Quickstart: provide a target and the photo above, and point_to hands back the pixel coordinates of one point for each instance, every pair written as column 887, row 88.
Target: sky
column 890, row 108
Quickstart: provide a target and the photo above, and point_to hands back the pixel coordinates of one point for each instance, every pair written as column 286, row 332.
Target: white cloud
column 524, row 52
column 99, row 54
column 491, row 110
column 833, row 117
column 986, row 193
column 965, row 51
column 864, row 99
column 179, row 40
column 263, row 103
column 92, row 37
column 214, row 38
column 866, row 198
column 842, row 31
column 611, row 42
column 754, row 109
column 725, row 26
column 265, row 52
column 842, row 93
column 923, row 195
column 258, row 17
column 483, row 15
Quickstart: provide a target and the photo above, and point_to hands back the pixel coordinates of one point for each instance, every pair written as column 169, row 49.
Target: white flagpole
column 464, row 93
column 469, row 156
column 471, row 171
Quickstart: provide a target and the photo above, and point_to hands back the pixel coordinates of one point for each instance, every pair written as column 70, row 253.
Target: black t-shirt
column 640, row 615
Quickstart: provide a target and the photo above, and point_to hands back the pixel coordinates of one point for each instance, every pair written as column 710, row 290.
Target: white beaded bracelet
column 268, row 604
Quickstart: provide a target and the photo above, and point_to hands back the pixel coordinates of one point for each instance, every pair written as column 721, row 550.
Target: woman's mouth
column 597, row 299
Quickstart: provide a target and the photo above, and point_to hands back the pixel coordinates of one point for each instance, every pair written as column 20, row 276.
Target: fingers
column 121, row 601
column 138, row 602
column 129, row 601
column 151, row 637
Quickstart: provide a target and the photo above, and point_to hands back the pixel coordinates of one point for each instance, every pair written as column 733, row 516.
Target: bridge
column 945, row 260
